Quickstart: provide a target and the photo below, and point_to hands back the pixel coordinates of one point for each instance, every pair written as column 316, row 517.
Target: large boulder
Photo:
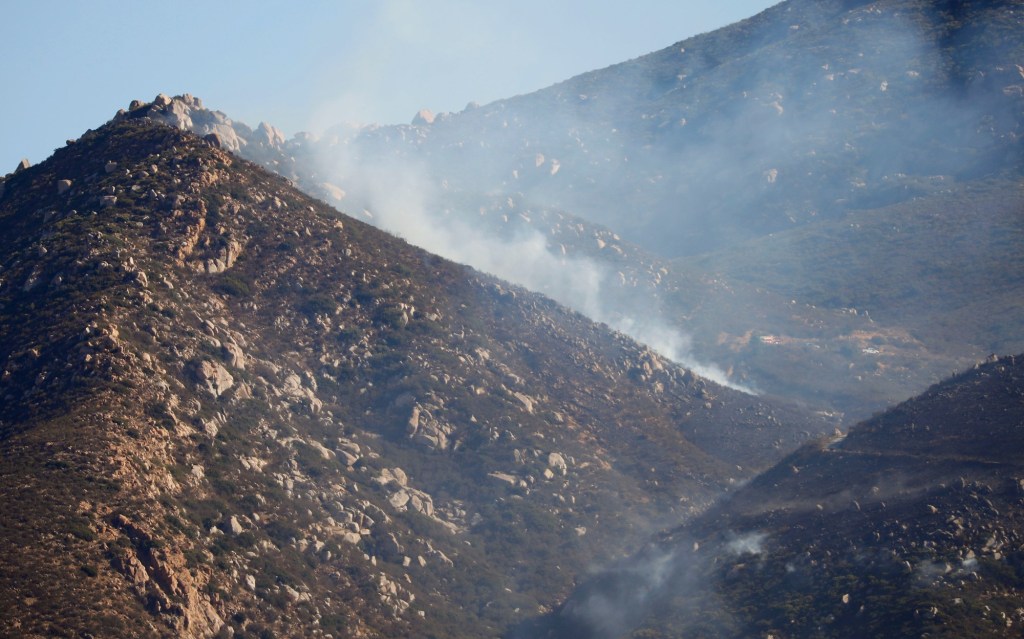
column 268, row 136
column 234, row 355
column 213, row 377
column 557, row 463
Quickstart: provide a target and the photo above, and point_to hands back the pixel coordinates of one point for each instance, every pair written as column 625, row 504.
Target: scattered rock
column 347, row 458
column 505, row 477
column 139, row 277
column 526, row 401
column 399, row 500
column 325, row 453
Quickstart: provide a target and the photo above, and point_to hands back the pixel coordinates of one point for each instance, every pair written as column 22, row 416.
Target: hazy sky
column 68, row 65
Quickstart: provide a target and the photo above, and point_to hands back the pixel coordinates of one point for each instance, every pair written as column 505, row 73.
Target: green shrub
column 318, row 305
column 233, row 285
column 81, row 529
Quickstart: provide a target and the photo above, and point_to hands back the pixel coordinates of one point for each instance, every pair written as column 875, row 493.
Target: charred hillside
column 228, row 408
column 909, row 526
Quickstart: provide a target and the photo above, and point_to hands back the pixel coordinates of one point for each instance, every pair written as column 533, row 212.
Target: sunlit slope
column 228, row 408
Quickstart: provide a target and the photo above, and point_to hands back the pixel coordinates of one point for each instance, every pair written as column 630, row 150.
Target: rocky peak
column 423, row 117
column 253, row 413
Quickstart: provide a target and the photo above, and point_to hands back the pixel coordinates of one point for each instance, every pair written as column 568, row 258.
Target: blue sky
column 69, row 65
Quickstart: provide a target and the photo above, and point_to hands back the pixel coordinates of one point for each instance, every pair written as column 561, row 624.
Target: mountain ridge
column 234, row 400
column 228, row 409
column 838, row 113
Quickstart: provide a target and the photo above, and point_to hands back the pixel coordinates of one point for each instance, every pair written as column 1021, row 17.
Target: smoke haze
column 690, row 150
column 399, row 196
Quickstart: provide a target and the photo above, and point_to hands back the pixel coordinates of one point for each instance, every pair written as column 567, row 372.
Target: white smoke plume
column 400, row 198
column 617, row 599
column 751, row 543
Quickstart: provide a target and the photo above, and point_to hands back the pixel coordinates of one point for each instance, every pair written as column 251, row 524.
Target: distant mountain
column 228, row 408
column 910, row 526
column 818, row 202
column 804, row 112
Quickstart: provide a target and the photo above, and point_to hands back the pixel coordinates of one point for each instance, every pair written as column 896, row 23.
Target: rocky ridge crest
column 234, row 409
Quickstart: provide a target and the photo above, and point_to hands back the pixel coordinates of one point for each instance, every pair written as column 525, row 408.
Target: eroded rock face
column 162, row 576
column 213, row 377
column 267, row 135
column 424, row 428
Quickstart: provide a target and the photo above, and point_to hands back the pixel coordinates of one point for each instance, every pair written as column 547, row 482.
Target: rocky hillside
column 910, row 526
column 230, row 410
column 749, row 188
column 804, row 112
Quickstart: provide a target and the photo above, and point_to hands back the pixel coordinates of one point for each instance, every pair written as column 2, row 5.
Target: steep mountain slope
column 722, row 181
column 800, row 113
column 964, row 291
column 910, row 526
column 229, row 408
column 873, row 304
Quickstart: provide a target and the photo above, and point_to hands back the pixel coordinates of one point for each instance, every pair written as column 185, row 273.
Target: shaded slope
column 945, row 267
column 226, row 405
column 879, row 302
column 911, row 525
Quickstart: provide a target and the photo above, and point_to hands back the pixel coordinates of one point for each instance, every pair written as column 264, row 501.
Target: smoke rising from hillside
column 399, row 197
column 751, row 543
column 775, row 138
column 720, row 146
column 616, row 600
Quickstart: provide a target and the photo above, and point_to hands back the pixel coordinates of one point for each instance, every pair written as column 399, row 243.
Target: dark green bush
column 233, row 285
column 318, row 305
